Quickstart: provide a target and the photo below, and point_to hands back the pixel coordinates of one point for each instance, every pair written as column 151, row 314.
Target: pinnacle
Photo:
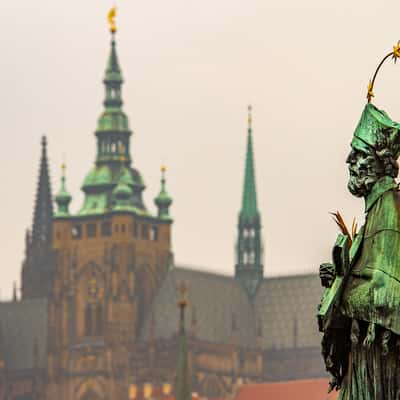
column 43, row 213
column 249, row 200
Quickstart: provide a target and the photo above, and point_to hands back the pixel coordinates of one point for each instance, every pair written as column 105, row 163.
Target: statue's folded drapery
column 373, row 291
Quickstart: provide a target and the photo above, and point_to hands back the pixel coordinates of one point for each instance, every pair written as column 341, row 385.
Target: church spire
column 183, row 387
column 43, row 213
column 113, row 184
column 249, row 268
column 113, row 131
column 249, row 209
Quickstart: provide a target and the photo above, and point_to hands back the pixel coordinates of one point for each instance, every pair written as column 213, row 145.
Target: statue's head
column 374, row 150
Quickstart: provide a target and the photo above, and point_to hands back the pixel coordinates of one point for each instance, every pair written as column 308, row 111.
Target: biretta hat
column 375, row 127
column 376, row 130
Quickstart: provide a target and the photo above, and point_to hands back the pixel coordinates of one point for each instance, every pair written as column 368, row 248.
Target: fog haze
column 190, row 69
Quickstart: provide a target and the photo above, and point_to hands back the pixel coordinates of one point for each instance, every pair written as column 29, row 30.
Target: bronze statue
column 359, row 314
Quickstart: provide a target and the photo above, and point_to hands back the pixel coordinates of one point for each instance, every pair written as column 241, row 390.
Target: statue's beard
column 360, row 185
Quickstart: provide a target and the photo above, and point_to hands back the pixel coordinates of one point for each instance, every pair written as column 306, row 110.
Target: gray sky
column 190, row 69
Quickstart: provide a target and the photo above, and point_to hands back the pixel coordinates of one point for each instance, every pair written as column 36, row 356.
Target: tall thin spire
column 43, row 213
column 183, row 387
column 249, row 201
column 249, row 268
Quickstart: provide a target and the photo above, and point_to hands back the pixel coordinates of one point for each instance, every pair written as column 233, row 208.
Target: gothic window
column 91, row 230
column 145, row 231
column 76, row 231
column 113, row 147
column 106, row 228
column 88, row 320
column 251, row 257
column 154, row 233
column 245, row 233
column 135, row 229
column 123, row 229
column 99, row 320
column 93, row 320
column 245, row 257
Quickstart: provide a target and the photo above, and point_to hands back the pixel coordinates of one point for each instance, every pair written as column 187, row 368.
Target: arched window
column 99, row 320
column 251, row 257
column 88, row 320
column 93, row 320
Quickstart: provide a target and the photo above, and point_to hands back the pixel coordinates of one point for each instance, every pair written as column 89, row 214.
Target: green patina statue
column 359, row 314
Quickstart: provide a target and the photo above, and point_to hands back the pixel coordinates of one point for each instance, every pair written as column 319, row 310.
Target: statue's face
column 363, row 169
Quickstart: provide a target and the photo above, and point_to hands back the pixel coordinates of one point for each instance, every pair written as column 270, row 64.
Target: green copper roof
column 112, row 184
column 113, row 126
column 98, row 176
column 249, row 200
column 163, row 200
column 113, row 120
column 249, row 251
column 113, row 71
column 63, row 198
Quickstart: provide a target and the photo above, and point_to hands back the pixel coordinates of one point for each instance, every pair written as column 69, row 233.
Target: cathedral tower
column 111, row 258
column 249, row 255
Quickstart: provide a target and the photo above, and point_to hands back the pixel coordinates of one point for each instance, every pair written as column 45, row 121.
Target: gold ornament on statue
column 395, row 54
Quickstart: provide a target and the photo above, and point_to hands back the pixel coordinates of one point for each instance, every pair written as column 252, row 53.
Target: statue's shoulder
column 386, row 213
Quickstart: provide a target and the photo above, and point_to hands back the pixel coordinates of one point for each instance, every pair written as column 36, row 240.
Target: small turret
column 63, row 198
column 163, row 200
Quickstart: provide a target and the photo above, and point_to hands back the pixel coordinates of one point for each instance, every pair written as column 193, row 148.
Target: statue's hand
column 327, row 274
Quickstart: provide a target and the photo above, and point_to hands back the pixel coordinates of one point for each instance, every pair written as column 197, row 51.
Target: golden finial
column 63, row 168
column 111, row 19
column 249, row 109
column 163, row 169
column 182, row 290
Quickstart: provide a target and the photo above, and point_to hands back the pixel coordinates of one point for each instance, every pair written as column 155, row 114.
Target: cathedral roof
column 24, row 323
column 218, row 309
column 287, row 307
column 283, row 315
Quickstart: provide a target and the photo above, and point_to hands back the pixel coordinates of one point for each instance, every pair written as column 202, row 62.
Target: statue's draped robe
column 372, row 295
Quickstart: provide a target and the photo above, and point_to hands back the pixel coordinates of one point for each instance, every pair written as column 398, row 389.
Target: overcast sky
column 191, row 68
